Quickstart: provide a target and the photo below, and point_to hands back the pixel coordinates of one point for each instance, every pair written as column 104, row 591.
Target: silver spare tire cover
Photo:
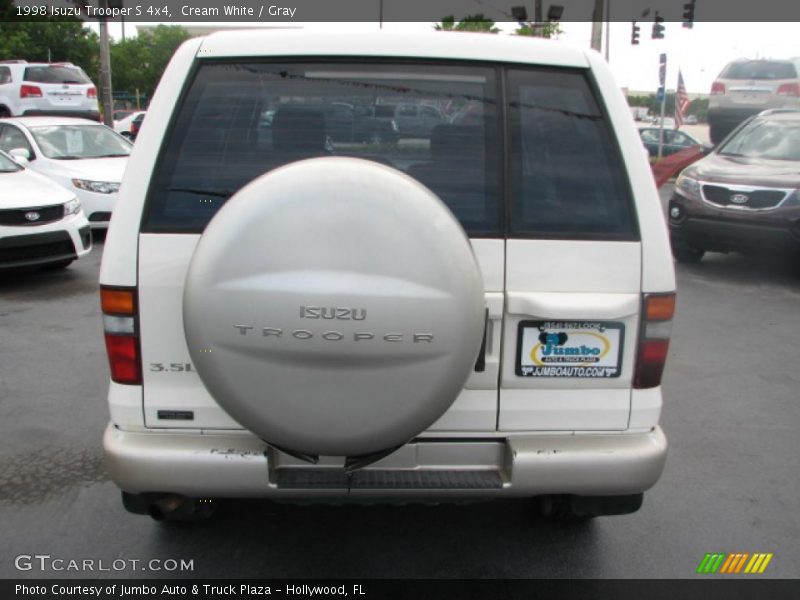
column 334, row 306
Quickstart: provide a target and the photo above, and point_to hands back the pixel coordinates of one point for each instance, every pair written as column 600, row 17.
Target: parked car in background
column 125, row 126
column 745, row 195
column 81, row 155
column 673, row 141
column 46, row 89
column 746, row 87
column 120, row 114
column 41, row 223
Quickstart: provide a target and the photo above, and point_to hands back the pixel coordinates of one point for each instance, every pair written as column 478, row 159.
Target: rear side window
column 567, row 176
column 55, row 74
column 5, row 75
column 240, row 120
column 759, row 69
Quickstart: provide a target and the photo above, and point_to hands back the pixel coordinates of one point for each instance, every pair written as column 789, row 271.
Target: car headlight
column 688, row 186
column 100, row 187
column 72, row 207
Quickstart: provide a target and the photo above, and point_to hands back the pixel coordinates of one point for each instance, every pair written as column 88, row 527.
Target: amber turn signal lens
column 117, row 301
column 660, row 307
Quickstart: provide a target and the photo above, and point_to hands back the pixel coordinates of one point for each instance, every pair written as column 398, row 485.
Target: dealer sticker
column 570, row 349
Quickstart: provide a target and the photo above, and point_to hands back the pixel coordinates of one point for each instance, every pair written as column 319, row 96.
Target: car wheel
column 318, row 323
column 685, row 252
column 4, row 112
column 716, row 133
column 57, row 266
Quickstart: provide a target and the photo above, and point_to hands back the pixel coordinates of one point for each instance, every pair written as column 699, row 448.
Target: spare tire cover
column 334, row 306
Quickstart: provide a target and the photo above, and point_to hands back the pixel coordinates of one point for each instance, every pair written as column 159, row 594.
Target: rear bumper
column 240, row 465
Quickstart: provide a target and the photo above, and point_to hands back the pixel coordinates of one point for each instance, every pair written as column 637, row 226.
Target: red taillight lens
column 657, row 313
column 123, row 358
column 30, row 91
column 91, row 92
column 122, row 338
column 789, row 89
column 134, row 128
column 717, row 88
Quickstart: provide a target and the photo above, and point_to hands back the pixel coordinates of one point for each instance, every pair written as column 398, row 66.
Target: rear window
column 558, row 173
column 55, row 74
column 759, row 69
column 241, row 120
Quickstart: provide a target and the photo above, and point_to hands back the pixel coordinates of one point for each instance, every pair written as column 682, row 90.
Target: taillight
column 789, row 89
column 91, row 92
column 122, row 338
column 30, row 91
column 134, row 128
column 717, row 88
column 657, row 313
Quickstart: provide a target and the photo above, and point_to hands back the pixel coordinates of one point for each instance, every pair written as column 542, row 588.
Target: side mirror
column 21, row 155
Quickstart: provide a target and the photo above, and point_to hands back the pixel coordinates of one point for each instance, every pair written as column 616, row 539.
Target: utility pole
column 106, row 97
column 597, row 25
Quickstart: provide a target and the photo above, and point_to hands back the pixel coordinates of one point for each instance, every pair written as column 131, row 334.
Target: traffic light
column 658, row 28
column 688, row 14
column 634, row 34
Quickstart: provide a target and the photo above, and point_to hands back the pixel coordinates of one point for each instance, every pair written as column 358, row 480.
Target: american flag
column 681, row 102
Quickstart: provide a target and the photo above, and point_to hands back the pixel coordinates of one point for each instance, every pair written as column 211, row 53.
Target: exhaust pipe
column 173, row 507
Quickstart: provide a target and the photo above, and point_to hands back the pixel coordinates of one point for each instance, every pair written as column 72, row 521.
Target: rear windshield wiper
column 217, row 193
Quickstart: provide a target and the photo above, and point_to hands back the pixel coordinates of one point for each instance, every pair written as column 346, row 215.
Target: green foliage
column 476, row 23
column 137, row 63
column 543, row 30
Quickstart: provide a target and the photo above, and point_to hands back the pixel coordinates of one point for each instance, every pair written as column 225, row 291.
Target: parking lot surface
column 731, row 414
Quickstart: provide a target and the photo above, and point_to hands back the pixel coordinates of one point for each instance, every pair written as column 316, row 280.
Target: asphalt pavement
column 731, row 484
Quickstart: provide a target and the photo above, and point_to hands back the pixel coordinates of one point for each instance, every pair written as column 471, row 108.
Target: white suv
column 481, row 313
column 30, row 89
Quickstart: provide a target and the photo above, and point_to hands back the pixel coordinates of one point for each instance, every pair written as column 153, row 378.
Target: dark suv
column 743, row 196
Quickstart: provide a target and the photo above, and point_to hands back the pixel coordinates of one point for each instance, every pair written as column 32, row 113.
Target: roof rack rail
column 774, row 111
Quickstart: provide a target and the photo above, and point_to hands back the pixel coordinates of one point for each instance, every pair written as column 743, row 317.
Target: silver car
column 746, row 87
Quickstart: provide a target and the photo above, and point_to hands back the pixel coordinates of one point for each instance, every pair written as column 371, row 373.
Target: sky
column 700, row 53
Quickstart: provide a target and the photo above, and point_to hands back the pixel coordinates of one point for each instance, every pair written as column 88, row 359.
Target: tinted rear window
column 567, row 176
column 55, row 74
column 238, row 121
column 759, row 69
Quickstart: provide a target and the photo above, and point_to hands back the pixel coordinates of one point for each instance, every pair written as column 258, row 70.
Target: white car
column 41, row 223
column 46, row 89
column 123, row 126
column 483, row 313
column 84, row 156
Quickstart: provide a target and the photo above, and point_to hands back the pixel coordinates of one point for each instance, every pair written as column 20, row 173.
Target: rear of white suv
column 746, row 87
column 30, row 89
column 483, row 312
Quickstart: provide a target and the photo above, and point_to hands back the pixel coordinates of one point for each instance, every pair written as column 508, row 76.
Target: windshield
column 7, row 164
column 56, row 74
column 777, row 140
column 69, row 142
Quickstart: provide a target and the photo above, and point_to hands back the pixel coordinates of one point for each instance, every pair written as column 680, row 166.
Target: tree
column 476, row 23
column 138, row 63
column 544, row 30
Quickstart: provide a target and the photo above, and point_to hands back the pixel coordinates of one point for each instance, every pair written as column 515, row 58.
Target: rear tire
column 4, row 112
column 686, row 253
column 558, row 507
